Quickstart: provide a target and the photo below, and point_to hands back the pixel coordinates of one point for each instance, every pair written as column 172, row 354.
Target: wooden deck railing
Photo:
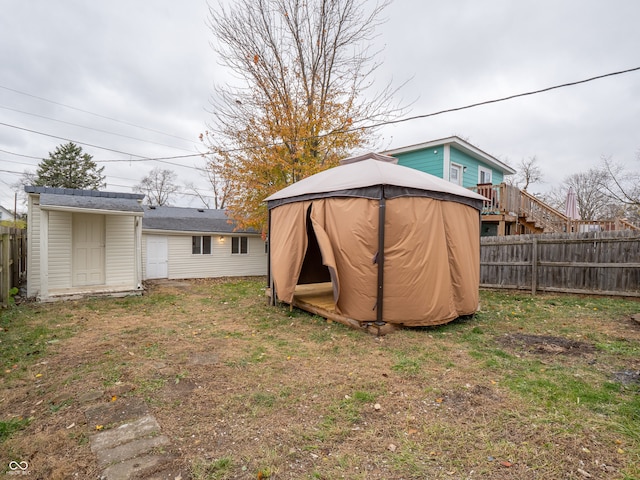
column 542, row 215
column 506, row 199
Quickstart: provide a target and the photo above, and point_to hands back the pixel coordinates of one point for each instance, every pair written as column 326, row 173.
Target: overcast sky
column 136, row 77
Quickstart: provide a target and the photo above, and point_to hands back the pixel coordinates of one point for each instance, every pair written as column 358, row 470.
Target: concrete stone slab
column 203, row 358
column 140, row 428
column 135, row 467
column 119, row 411
column 125, row 451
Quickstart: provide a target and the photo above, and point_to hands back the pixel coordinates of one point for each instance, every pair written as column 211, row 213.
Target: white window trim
column 486, row 170
column 240, row 252
column 202, row 237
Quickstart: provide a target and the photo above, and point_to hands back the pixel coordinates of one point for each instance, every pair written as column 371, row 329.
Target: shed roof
column 181, row 219
column 87, row 200
column 356, row 179
column 83, row 193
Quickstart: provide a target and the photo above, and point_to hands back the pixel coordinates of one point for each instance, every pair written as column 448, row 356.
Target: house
column 455, row 160
column 5, row 214
column 83, row 242
column 198, row 243
column 507, row 210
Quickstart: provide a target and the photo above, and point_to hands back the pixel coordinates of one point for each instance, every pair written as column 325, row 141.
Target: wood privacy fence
column 13, row 261
column 603, row 263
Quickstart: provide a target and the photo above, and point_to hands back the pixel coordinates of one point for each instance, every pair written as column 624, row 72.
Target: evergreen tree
column 68, row 167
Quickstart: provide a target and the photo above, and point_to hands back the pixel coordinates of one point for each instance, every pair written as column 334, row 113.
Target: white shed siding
column 60, row 252
column 33, row 246
column 220, row 263
column 144, row 256
column 119, row 251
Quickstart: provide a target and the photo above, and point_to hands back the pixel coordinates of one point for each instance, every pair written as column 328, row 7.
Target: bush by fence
column 604, row 263
column 13, row 261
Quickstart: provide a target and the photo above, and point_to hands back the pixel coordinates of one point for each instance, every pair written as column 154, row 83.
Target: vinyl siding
column 470, row 177
column 33, row 246
column 428, row 160
column 144, row 256
column 431, row 161
column 220, row 263
column 120, row 251
column 60, row 253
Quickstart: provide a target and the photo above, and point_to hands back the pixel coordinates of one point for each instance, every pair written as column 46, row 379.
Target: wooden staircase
column 518, row 212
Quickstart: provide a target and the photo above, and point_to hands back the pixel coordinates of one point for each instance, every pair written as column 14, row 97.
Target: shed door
column 157, row 257
column 88, row 249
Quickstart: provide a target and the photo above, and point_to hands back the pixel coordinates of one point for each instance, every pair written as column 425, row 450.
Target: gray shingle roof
column 88, row 199
column 188, row 220
column 90, row 202
column 83, row 193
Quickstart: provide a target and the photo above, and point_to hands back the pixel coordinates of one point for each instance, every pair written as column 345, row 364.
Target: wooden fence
column 602, row 263
column 13, row 261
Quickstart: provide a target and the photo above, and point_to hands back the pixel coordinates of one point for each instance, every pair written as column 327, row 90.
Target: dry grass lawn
column 542, row 387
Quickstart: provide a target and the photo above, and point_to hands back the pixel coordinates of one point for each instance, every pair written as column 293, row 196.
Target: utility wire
column 20, row 154
column 93, row 113
column 140, row 159
column 503, row 99
column 335, row 132
column 91, row 128
column 441, row 112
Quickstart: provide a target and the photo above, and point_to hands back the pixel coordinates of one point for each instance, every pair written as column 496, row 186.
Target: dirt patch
column 547, row 344
column 627, row 377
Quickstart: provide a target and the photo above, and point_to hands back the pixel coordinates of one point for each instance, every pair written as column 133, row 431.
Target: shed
column 83, row 242
column 421, row 268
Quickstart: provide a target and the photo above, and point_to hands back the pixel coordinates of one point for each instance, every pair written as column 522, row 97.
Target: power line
column 140, row 159
column 20, row 154
column 441, row 112
column 90, row 128
column 93, row 113
column 335, row 132
column 503, row 99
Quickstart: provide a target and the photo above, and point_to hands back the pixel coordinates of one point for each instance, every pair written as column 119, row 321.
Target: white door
column 157, row 257
column 455, row 174
column 88, row 249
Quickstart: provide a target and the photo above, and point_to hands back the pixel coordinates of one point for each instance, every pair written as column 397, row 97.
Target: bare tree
column 528, row 173
column 620, row 185
column 158, row 186
column 305, row 70
column 221, row 188
column 593, row 203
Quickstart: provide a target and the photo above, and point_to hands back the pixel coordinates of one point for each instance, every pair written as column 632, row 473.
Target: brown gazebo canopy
column 421, row 268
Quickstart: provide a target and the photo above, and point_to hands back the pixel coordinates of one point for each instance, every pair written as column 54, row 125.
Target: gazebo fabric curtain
column 431, row 270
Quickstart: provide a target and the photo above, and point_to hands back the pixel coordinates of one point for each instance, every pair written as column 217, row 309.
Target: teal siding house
column 455, row 160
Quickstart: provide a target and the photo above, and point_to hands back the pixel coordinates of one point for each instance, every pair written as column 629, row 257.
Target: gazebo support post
column 270, row 283
column 381, row 218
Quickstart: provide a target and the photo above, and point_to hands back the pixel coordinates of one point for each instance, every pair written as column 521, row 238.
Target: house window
column 484, row 175
column 239, row 245
column 200, row 245
column 455, row 174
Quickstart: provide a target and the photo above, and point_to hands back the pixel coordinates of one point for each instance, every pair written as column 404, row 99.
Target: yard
column 544, row 387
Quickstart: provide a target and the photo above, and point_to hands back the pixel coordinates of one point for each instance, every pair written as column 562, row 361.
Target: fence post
column 534, row 265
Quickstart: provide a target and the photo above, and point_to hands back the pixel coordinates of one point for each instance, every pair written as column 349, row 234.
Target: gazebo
column 373, row 243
